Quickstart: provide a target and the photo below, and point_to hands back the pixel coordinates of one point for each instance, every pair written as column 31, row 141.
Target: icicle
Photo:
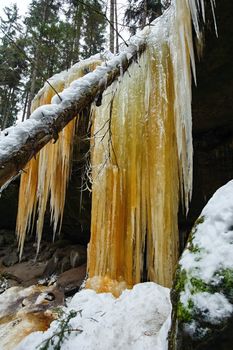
column 142, row 158
column 47, row 176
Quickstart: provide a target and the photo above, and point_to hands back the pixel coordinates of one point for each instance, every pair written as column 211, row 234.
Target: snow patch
column 215, row 306
column 139, row 319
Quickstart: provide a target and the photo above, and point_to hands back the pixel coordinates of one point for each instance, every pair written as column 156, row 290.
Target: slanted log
column 20, row 143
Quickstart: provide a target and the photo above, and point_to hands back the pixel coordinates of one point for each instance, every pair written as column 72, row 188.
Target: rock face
column 202, row 295
column 212, row 110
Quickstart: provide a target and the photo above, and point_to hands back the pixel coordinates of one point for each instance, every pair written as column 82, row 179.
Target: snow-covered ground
column 139, row 319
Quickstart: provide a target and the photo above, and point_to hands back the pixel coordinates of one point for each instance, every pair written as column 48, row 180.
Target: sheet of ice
column 138, row 320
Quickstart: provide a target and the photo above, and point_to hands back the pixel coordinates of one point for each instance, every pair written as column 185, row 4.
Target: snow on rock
column 26, row 310
column 213, row 238
column 202, row 296
column 139, row 319
column 218, row 306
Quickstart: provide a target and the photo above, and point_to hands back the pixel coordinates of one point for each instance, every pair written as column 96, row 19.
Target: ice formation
column 141, row 159
column 46, row 177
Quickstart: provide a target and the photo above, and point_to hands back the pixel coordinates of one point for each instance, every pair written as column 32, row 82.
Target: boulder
column 65, row 258
column 202, row 295
column 10, row 259
column 71, row 280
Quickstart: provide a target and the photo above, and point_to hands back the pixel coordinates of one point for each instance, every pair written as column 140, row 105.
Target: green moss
column 199, row 221
column 181, row 279
column 199, row 286
column 226, row 282
column 194, row 248
column 184, row 314
column 227, row 278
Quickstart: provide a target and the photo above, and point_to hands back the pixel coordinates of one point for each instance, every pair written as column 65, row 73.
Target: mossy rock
column 202, row 294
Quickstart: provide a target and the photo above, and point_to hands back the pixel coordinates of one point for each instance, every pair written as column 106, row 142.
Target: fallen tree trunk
column 20, row 143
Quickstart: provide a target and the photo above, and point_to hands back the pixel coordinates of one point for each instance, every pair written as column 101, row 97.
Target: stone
column 202, row 294
column 11, row 259
column 24, row 273
column 71, row 280
column 7, row 237
column 65, row 258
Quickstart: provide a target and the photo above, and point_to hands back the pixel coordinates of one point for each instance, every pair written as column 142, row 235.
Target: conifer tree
column 43, row 34
column 94, row 28
column 71, row 30
column 55, row 35
column 12, row 65
column 86, row 25
column 141, row 12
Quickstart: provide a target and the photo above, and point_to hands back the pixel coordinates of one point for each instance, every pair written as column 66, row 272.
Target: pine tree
column 141, row 12
column 12, row 65
column 112, row 26
column 71, row 30
column 86, row 25
column 93, row 28
column 56, row 34
column 43, row 35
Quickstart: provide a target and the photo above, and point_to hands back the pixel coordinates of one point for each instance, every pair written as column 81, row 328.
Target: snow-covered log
column 21, row 143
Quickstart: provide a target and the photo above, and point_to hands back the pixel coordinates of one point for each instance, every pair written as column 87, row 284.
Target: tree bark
column 21, row 143
column 112, row 27
column 33, row 83
column 116, row 26
column 144, row 14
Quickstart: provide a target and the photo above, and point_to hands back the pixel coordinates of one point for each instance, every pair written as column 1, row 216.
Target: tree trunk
column 25, row 106
column 144, row 14
column 112, row 27
column 116, row 26
column 20, row 143
column 7, row 108
column 33, row 84
column 10, row 105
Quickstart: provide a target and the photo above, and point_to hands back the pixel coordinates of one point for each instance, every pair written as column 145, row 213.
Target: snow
column 139, row 319
column 214, row 238
column 11, row 297
column 10, row 137
column 215, row 307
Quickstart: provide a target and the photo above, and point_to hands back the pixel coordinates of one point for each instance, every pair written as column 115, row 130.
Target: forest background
column 52, row 35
